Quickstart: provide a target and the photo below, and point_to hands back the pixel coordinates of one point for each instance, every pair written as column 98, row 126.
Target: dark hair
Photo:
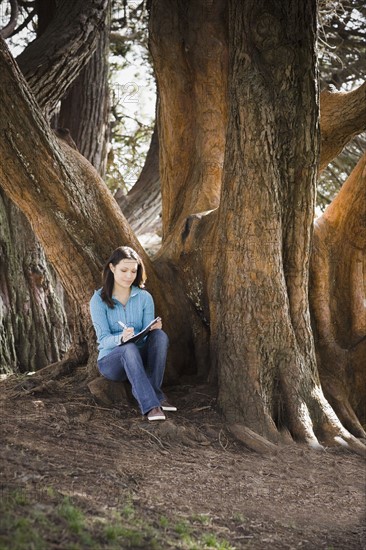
column 121, row 253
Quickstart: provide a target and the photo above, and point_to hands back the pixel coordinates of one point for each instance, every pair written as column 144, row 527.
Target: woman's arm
column 98, row 311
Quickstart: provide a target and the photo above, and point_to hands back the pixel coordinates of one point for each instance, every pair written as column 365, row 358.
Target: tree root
column 45, row 378
column 250, row 439
column 335, row 437
column 108, row 392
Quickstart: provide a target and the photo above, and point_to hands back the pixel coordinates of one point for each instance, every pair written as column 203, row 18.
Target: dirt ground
column 76, row 475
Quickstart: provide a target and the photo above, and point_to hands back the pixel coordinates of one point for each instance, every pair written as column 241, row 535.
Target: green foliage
column 74, row 517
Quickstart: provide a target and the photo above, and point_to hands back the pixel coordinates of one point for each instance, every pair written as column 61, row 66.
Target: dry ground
column 76, row 475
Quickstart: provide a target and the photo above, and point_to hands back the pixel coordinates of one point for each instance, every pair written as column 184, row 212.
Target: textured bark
column 343, row 116
column 72, row 211
column 142, row 204
column 33, row 325
column 338, row 300
column 85, row 109
column 52, row 61
column 260, row 319
column 188, row 45
column 34, row 330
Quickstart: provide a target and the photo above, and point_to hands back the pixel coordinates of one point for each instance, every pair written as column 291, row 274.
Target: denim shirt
column 137, row 313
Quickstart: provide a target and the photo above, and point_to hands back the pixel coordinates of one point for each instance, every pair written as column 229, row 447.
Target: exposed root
column 335, row 392
column 108, row 392
column 252, row 440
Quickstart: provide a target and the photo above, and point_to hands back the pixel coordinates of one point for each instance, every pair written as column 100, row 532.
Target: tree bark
column 260, row 316
column 337, row 298
column 51, row 62
column 343, row 116
column 188, row 45
column 33, row 324
column 34, row 328
column 85, row 108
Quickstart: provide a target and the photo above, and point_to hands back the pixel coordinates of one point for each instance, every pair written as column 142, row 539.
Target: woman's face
column 124, row 272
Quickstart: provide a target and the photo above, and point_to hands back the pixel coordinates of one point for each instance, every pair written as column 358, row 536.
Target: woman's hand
column 156, row 325
column 127, row 334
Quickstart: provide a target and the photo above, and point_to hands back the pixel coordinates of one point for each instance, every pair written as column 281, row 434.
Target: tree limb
column 9, row 28
column 57, row 189
column 51, row 62
column 342, row 116
column 25, row 23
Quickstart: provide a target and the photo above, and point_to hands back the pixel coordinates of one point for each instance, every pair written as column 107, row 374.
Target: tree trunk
column 52, row 61
column 188, row 45
column 38, row 291
column 33, row 325
column 34, row 328
column 260, row 318
column 85, row 109
column 337, row 297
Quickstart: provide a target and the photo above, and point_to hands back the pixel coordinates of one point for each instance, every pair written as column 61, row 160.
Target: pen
column 122, row 324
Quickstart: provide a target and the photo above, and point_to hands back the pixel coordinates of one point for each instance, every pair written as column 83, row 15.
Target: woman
column 120, row 309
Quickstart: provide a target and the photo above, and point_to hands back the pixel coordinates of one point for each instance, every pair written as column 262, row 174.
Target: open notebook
column 140, row 335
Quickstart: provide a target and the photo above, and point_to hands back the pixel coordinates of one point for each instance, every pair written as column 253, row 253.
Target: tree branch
column 342, row 116
column 9, row 28
column 26, row 21
column 57, row 189
column 52, row 62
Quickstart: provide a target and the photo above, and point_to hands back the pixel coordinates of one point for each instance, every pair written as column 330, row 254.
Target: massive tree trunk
column 40, row 293
column 260, row 318
column 338, row 299
column 34, row 329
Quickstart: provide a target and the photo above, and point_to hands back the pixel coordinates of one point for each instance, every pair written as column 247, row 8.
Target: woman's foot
column 156, row 414
column 167, row 406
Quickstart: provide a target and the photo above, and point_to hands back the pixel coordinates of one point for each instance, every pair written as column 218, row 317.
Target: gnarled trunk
column 260, row 318
column 342, row 116
column 188, row 45
column 142, row 204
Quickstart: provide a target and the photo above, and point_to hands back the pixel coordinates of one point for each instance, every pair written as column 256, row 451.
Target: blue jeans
column 142, row 367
